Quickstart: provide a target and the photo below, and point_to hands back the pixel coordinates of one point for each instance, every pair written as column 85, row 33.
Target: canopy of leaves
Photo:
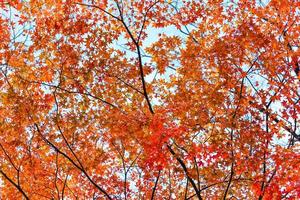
column 149, row 99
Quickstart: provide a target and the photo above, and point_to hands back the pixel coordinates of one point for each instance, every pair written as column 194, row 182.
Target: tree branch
column 72, row 161
column 155, row 185
column 14, row 184
column 186, row 172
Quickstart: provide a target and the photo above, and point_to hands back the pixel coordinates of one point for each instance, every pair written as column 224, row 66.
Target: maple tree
column 151, row 99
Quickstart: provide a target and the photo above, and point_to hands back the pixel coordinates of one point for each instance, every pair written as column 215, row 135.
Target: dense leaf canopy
column 149, row 99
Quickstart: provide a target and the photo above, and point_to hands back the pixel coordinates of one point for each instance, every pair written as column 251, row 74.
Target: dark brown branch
column 217, row 183
column 121, row 19
column 9, row 158
column 198, row 174
column 155, row 185
column 186, row 189
column 276, row 120
column 64, row 186
column 231, row 139
column 72, row 161
column 73, row 92
column 229, row 182
column 186, row 172
column 98, row 7
column 127, row 84
column 14, row 184
column 56, row 175
column 135, row 42
column 144, row 20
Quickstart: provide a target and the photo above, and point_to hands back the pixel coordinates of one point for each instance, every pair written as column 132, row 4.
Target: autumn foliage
column 149, row 99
